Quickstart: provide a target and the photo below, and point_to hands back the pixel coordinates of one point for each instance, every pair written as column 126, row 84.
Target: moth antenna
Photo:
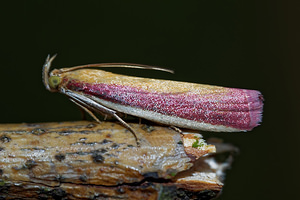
column 125, row 65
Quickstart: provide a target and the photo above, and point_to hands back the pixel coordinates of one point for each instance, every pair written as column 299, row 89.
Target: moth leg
column 86, row 110
column 176, row 129
column 85, row 102
column 128, row 127
column 82, row 111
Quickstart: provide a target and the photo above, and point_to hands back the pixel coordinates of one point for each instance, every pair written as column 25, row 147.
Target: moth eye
column 54, row 81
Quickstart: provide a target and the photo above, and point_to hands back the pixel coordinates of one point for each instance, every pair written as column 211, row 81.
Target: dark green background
column 235, row 43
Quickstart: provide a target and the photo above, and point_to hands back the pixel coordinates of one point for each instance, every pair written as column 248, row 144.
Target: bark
column 86, row 160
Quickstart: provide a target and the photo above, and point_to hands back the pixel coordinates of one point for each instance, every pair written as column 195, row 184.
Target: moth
column 180, row 104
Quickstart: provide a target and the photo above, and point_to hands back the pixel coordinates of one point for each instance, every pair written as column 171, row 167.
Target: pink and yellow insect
column 185, row 105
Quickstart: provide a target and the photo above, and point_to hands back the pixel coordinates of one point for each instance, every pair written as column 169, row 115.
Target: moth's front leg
column 90, row 105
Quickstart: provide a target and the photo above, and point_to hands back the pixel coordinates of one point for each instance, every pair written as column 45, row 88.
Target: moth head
column 53, row 79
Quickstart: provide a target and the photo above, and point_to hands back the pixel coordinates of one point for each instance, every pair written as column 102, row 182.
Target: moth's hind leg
column 176, row 129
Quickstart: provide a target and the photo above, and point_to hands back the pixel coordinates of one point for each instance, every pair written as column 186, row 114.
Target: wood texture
column 85, row 160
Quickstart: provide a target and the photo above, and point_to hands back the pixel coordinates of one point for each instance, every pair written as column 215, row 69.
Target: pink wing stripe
column 237, row 108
